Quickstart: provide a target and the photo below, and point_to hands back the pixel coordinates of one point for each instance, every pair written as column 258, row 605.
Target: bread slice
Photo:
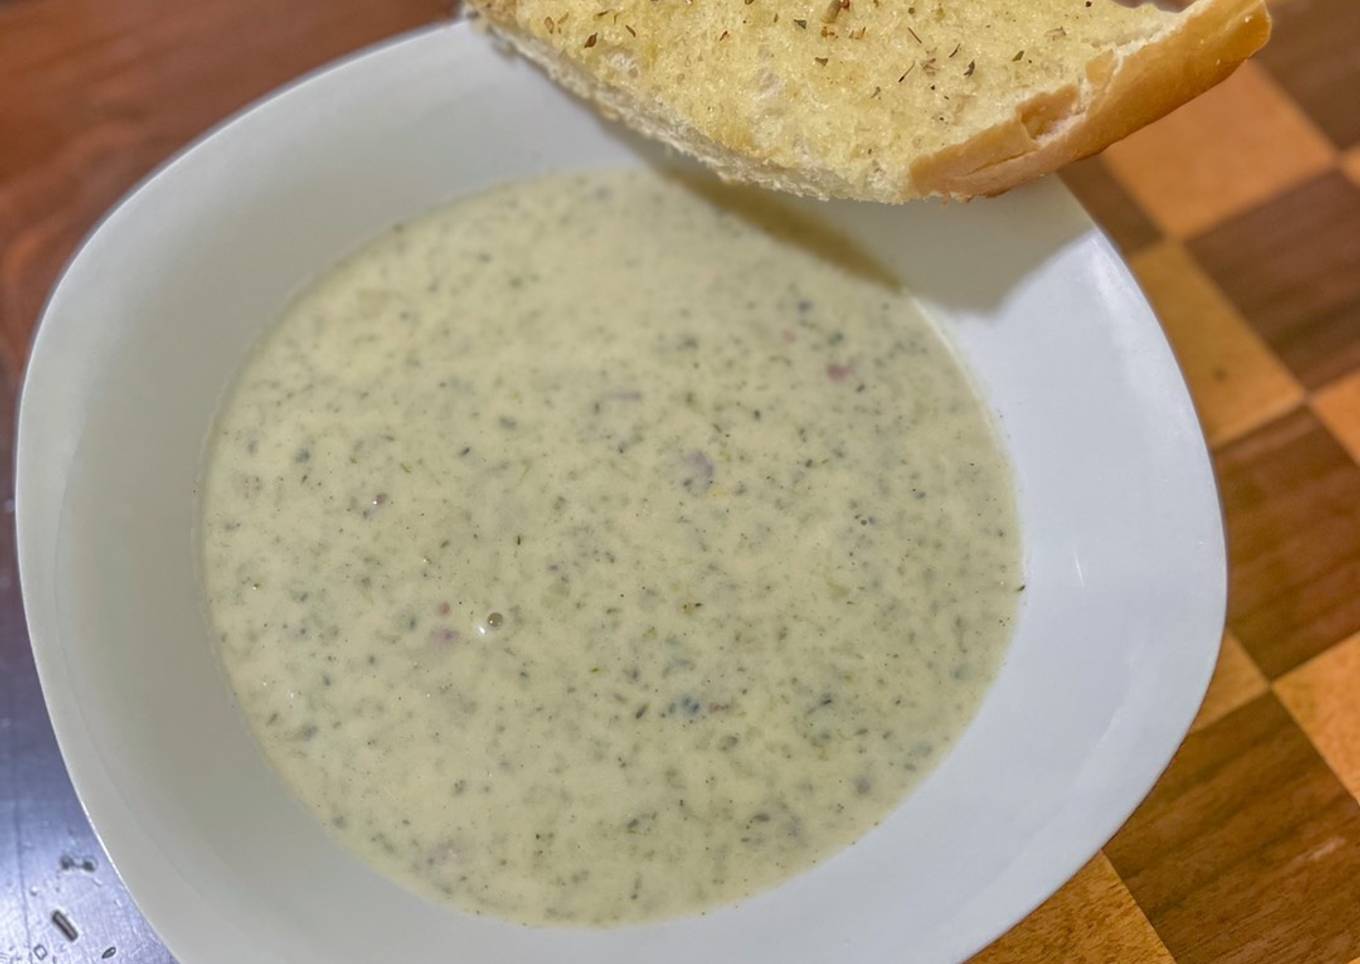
column 884, row 100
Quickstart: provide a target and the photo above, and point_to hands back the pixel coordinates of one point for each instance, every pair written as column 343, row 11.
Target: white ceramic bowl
column 1124, row 551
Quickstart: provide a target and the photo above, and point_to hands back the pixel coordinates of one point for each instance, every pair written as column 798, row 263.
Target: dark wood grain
column 1292, row 268
column 94, row 94
column 1248, row 849
column 1291, row 495
column 1313, row 55
column 1109, row 204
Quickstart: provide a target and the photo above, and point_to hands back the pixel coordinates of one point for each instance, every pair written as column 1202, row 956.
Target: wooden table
column 1241, row 216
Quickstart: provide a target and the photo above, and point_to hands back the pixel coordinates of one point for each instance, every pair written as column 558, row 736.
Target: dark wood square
column 1315, row 56
column 1292, row 267
column 1110, row 205
column 1248, row 848
column 1291, row 495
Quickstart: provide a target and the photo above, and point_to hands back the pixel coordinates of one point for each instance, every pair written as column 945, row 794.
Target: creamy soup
column 591, row 551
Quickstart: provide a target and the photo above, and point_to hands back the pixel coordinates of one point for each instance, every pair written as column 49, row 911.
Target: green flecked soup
column 593, row 551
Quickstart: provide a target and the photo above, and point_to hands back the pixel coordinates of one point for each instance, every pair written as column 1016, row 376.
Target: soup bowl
column 1115, row 640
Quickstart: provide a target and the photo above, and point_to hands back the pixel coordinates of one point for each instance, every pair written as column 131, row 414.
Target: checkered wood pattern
column 1240, row 215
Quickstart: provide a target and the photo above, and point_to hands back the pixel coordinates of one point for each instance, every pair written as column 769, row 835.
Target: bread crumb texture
column 879, row 99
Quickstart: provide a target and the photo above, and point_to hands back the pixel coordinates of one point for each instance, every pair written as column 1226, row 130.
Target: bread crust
column 1121, row 92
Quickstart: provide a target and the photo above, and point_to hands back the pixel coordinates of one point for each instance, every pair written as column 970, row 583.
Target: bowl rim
column 71, row 725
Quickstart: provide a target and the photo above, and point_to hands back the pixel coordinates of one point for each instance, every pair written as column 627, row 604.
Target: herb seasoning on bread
column 884, row 100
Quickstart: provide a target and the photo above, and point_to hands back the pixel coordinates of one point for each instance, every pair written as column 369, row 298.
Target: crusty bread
column 883, row 100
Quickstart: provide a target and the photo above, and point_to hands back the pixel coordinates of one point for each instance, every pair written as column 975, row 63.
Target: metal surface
column 60, row 900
